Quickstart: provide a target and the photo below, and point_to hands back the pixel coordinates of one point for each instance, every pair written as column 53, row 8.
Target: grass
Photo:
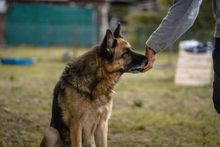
column 149, row 109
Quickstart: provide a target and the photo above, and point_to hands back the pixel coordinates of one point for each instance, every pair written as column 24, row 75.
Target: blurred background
column 65, row 22
column 169, row 106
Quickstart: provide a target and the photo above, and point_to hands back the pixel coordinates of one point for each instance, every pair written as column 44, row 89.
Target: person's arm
column 178, row 20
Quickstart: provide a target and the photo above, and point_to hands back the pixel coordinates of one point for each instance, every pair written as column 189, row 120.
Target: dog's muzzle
column 137, row 65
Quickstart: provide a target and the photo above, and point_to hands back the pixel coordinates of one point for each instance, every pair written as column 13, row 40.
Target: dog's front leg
column 101, row 134
column 75, row 134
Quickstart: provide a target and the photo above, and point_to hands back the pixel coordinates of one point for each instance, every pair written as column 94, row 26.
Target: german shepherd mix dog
column 82, row 101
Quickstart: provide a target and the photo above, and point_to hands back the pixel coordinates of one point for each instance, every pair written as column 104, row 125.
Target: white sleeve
column 178, row 20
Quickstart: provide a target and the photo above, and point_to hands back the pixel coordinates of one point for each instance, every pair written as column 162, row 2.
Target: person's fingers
column 151, row 55
column 148, row 67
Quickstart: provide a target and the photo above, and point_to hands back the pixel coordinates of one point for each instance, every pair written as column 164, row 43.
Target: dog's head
column 119, row 54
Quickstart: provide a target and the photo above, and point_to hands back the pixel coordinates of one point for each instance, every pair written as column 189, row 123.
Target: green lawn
column 149, row 109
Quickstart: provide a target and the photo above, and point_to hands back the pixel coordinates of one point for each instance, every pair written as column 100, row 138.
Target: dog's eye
column 126, row 53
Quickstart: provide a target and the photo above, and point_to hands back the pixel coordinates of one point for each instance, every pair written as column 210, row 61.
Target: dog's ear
column 117, row 32
column 109, row 39
column 106, row 48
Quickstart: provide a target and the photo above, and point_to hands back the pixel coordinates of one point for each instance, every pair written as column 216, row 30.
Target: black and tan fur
column 82, row 100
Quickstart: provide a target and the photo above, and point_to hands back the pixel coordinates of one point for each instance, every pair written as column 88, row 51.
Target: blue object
column 18, row 61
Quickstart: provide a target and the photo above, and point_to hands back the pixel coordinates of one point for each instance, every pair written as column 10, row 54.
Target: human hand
column 151, row 55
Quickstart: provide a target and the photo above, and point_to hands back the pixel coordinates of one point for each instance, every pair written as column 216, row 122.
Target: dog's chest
column 97, row 113
column 101, row 109
column 103, row 112
column 95, row 118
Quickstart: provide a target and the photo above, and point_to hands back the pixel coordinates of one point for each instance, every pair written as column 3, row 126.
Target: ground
column 149, row 109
